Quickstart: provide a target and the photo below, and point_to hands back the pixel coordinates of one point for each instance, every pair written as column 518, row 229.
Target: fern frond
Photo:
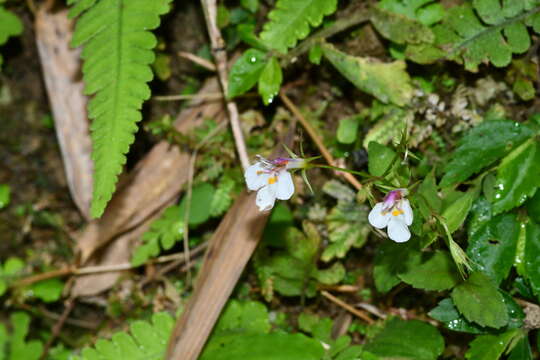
column 117, row 56
column 488, row 31
column 290, row 21
column 146, row 341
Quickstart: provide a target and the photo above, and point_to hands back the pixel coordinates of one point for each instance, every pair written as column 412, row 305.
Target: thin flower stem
column 345, row 170
column 316, row 139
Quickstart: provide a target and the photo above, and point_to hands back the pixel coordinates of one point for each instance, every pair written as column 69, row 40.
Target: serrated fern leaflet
column 117, row 56
column 291, row 19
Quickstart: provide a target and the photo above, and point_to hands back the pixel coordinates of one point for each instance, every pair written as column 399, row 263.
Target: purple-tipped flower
column 393, row 212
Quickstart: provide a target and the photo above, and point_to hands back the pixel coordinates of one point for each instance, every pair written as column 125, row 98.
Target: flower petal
column 284, row 186
column 407, row 211
column 377, row 218
column 256, row 176
column 397, row 230
column 265, row 198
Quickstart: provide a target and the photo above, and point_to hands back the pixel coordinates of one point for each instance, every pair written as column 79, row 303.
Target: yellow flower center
column 272, row 180
column 397, row 212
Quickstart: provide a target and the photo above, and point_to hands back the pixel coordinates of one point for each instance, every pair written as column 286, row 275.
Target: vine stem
column 220, row 57
column 318, row 142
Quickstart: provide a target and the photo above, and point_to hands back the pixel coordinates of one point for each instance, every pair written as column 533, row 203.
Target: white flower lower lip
column 271, row 180
column 395, row 213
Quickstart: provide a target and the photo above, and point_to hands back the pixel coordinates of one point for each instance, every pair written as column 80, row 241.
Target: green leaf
column 347, row 228
column 391, row 260
column 399, row 28
column 427, row 12
column 518, row 177
column 456, row 212
column 480, row 301
column 164, row 231
column 250, row 316
column 251, row 5
column 117, row 56
column 246, row 72
column 380, row 158
column 274, row 346
column 19, row 347
column 290, row 21
column 201, row 198
column 315, row 54
column 532, row 255
column 521, row 351
column 491, row 347
column 145, row 341
column 447, row 313
column 481, row 147
column 492, row 247
column 10, row 25
column 533, row 207
column 491, row 34
column 437, row 273
column 8, row 271
column 5, row 191
column 222, row 199
column 388, row 82
column 49, row 290
column 333, row 275
column 347, row 131
column 400, row 339
column 270, row 80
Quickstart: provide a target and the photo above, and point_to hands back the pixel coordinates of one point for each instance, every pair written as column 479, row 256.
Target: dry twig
column 347, row 307
column 220, row 56
column 197, row 60
column 316, row 139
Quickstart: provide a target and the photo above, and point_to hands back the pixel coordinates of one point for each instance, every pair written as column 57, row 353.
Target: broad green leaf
column 437, row 273
column 274, row 346
column 400, row 28
column 145, row 341
column 485, row 31
column 222, row 198
column 347, row 131
column 388, row 82
column 320, row 329
column 347, row 227
column 245, row 72
column 250, row 316
column 10, row 25
column 332, row 275
column 491, row 347
column 400, row 339
column 492, row 247
column 532, row 255
column 290, row 21
column 481, row 147
column 201, row 198
column 4, row 195
column 533, row 207
column 380, row 158
column 518, row 177
column 49, row 290
column 19, row 347
column 456, row 212
column 522, row 350
column 8, row 271
column 251, row 5
column 117, row 53
column 426, row 12
column 478, row 299
column 447, row 313
column 270, row 80
column 391, row 260
column 428, row 196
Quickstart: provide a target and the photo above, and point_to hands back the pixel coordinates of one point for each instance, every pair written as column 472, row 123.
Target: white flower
column 396, row 213
column 272, row 180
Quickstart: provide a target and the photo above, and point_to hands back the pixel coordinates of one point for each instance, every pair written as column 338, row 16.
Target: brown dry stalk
column 347, row 307
column 316, row 139
column 220, row 56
